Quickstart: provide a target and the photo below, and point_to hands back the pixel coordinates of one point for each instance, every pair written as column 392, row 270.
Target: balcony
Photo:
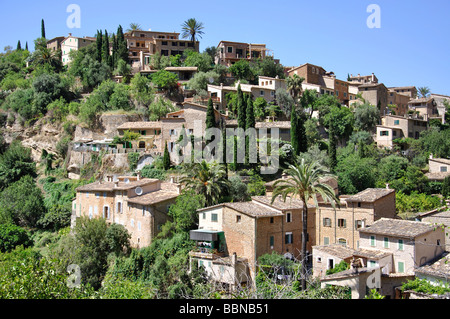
column 210, row 244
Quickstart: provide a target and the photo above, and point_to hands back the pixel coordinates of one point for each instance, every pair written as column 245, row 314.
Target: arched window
column 342, row 241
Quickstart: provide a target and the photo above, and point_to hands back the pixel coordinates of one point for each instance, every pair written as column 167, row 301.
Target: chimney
column 234, row 259
column 138, row 173
column 116, row 184
column 70, row 34
column 387, row 186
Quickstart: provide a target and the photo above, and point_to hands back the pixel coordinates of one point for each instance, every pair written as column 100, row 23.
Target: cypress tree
column 105, row 49
column 166, row 158
column 249, row 123
column 210, row 116
column 303, row 142
column 294, row 131
column 19, row 46
column 26, row 46
column 332, row 149
column 42, row 29
column 114, row 52
column 122, row 49
column 241, row 106
column 446, row 187
column 99, row 43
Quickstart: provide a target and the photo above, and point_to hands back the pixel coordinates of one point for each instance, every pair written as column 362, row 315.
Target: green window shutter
column 400, row 267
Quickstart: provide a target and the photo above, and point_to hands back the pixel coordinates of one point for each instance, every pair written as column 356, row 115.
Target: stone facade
column 229, row 53
column 140, row 205
column 341, row 226
column 252, row 229
column 395, row 127
column 72, row 43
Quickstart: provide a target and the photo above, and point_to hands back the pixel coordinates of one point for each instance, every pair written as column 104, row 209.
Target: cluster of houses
column 382, row 250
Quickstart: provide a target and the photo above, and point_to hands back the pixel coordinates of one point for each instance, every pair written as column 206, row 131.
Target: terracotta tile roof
column 398, row 228
column 153, row 197
column 275, row 124
column 102, row 186
column 253, row 209
column 279, row 203
column 139, row 125
column 370, row 195
column 437, row 268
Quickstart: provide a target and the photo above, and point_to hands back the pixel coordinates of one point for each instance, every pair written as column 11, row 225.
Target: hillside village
column 94, row 130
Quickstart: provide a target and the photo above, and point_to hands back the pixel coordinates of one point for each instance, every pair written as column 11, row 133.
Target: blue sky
column 411, row 48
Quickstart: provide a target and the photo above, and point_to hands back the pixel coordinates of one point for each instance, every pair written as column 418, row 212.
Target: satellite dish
column 138, row 191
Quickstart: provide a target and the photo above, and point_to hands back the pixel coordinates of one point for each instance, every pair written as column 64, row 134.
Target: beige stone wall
column 435, row 166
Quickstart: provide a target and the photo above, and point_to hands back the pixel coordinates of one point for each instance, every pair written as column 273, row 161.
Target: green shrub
column 12, row 236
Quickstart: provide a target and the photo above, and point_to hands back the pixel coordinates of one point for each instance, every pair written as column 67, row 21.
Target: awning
column 204, row 235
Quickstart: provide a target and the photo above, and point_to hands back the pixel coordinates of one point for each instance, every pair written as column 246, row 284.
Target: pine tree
column 241, row 107
column 19, row 46
column 99, row 44
column 42, row 29
column 166, row 158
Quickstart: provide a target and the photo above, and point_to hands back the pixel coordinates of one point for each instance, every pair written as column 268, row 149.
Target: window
column 327, row 222
column 288, row 217
column 204, row 215
column 214, row 218
column 400, row 267
column 164, row 42
column 230, row 49
column 173, row 132
column 342, row 223
column 386, row 242
column 288, row 238
column 371, row 264
column 97, row 195
column 400, row 244
column 372, row 241
column 384, row 133
column 272, row 242
column 342, row 241
column 174, row 44
column 443, row 169
column 132, row 223
column 105, row 194
column 261, row 93
column 271, row 220
column 326, row 240
column 397, row 122
column 238, row 218
column 358, row 224
column 139, row 225
column 119, row 207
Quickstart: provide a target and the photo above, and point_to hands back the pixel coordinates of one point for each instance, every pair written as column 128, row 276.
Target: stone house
column 55, row 43
column 266, row 89
column 229, row 52
column 438, row 168
column 410, row 91
column 394, row 127
column 142, row 45
column 390, row 249
column 398, row 102
column 436, row 272
column 235, row 235
column 341, row 226
column 139, row 204
column 440, row 99
column 154, row 135
column 439, row 217
column 317, row 78
column 72, row 43
column 424, row 107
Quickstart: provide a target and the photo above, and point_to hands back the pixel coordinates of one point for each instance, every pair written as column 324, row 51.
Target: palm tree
column 305, row 184
column 424, row 91
column 294, row 85
column 134, row 27
column 209, row 179
column 191, row 29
